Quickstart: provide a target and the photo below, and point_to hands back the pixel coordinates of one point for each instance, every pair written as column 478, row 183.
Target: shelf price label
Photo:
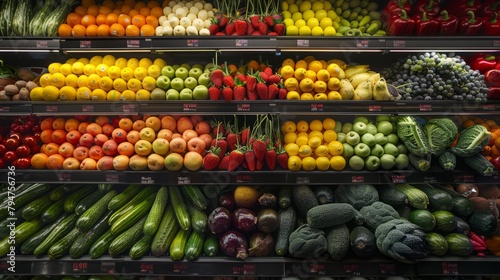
column 183, row 180
column 188, row 107
column 4, row 108
column 358, row 179
column 374, row 108
column 302, row 43
column 88, row 108
column 317, row 107
column 147, row 268
column 241, row 43
column 80, row 267
column 180, row 268
column 362, row 43
column 243, row 179
column 489, row 107
column 450, row 268
column 463, row 179
column 133, row 43
column 108, row 267
column 352, row 269
column 147, row 180
column 111, row 178
column 429, row 179
column 317, row 268
column 303, row 180
column 64, row 177
column 243, row 107
column 496, row 43
column 51, row 108
column 193, row 43
column 399, row 43
column 85, row 44
column 42, row 44
column 4, row 267
column 244, row 269
column 387, row 268
column 128, row 108
column 398, row 179
column 425, row 108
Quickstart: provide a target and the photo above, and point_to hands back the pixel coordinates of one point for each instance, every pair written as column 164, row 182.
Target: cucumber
column 127, row 239
column 287, row 219
column 4, row 229
column 83, row 243
column 58, row 193
column 180, row 208
column 95, row 212
column 199, row 219
column 53, row 211
column 195, row 196
column 63, row 228
column 210, row 246
column 338, row 242
column 122, row 198
column 438, row 199
column 155, row 214
column 178, row 246
column 35, row 208
column 88, row 201
column 104, row 187
column 132, row 216
column 29, row 194
column 22, row 232
column 73, row 199
column 138, row 198
column 194, row 245
column 101, row 246
column 61, row 247
column 141, row 247
column 166, row 232
column 285, row 196
column 29, row 246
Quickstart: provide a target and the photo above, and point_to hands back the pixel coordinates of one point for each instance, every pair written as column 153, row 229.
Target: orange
column 58, row 123
column 81, row 10
column 73, row 18
column 93, row 10
column 493, row 138
column 153, row 4
column 105, row 10
column 92, row 30
column 486, row 151
column 46, row 123
column 64, row 30
column 147, row 30
column 125, row 9
column 117, row 30
column 100, row 19
column 467, row 123
column 245, row 196
column 46, row 136
column 54, row 161
column 145, row 11
column 38, row 160
column 109, row 3
column 152, row 20
column 124, row 20
column 130, row 3
column 315, row 66
column 59, row 136
column 133, row 12
column 138, row 20
column 138, row 5
column 111, row 18
column 125, row 124
column 132, row 30
column 88, row 3
column 497, row 143
column 71, row 124
column 103, row 30
column 495, row 152
column 88, row 20
column 117, row 11
column 79, row 30
column 156, row 11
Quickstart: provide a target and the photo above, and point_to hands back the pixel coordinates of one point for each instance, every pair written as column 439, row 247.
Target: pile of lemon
column 313, row 145
column 312, row 79
column 99, row 78
column 309, row 18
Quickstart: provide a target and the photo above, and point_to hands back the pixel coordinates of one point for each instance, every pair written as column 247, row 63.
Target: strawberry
column 272, row 91
column 277, row 19
column 227, row 93
column 223, row 21
column 274, row 79
column 269, row 71
column 245, row 135
column 236, row 157
column 214, row 93
column 259, row 164
column 239, row 93
column 279, row 28
column 221, row 144
column 272, row 33
column 282, row 158
column 250, row 29
column 259, row 148
column 241, row 27
column 211, row 159
column 228, row 81
column 252, row 95
column 216, row 77
column 264, row 76
column 230, row 28
column 213, row 28
column 268, row 20
column 217, row 128
column 270, row 158
column 254, row 20
column 224, row 163
column 250, row 159
column 220, row 33
column 256, row 33
column 282, row 93
column 240, row 78
column 232, row 141
column 262, row 28
column 262, row 91
column 251, row 82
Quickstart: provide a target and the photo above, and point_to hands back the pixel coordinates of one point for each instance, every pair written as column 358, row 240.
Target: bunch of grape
column 436, row 76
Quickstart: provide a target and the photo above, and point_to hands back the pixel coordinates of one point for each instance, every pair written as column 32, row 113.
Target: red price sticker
column 193, row 43
column 243, row 107
column 352, row 269
column 180, row 268
column 489, row 107
column 241, row 43
column 64, row 177
column 398, row 179
column 85, row 44
column 399, row 43
column 80, row 267
column 358, row 179
column 146, row 268
column 249, row 269
column 362, row 44
column 317, row 107
column 425, row 107
column 42, row 44
column 450, row 268
column 243, row 179
column 51, row 108
column 5, row 109
column 128, row 108
column 317, row 268
column 190, row 107
column 388, row 268
column 133, row 43
column 374, row 108
column 87, row 108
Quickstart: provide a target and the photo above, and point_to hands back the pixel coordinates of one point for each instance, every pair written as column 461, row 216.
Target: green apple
column 177, row 84
column 200, row 92
column 371, row 128
column 158, row 94
column 402, row 149
column 362, row 150
column 172, row 94
column 175, row 66
column 362, row 119
column 208, row 67
column 341, row 137
column 197, row 65
column 338, row 127
column 384, row 127
column 190, row 82
column 163, row 82
column 387, row 161
column 346, row 127
column 368, row 139
column 380, row 138
column 380, row 118
column 195, row 72
column 402, row 161
column 186, row 65
column 356, row 162
column 186, row 94
column 372, row 163
column 348, row 151
column 391, row 149
column 393, row 138
column 360, row 127
column 352, row 138
column 168, row 71
column 377, row 150
column 204, row 79
column 182, row 73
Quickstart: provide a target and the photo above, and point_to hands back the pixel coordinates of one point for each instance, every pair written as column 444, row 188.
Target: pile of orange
column 492, row 149
column 120, row 18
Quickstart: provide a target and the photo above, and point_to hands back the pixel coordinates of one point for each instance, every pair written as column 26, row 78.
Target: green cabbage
column 413, row 136
column 471, row 141
column 440, row 134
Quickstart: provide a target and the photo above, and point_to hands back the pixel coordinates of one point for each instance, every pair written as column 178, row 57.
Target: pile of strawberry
column 247, row 148
column 255, row 18
column 264, row 85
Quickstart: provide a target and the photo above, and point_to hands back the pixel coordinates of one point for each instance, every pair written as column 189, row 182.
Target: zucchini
column 166, row 232
column 83, row 243
column 29, row 246
column 95, row 212
column 287, row 219
column 199, row 219
column 104, row 187
column 448, row 160
column 35, row 208
column 180, row 208
column 57, row 233
column 36, row 24
column 421, row 163
column 211, row 246
column 141, row 247
column 21, row 233
column 141, row 196
column 303, row 199
column 462, row 206
column 132, row 216
column 285, row 196
column 73, row 199
column 480, row 164
column 127, row 239
column 53, row 211
column 438, row 199
column 389, row 195
column 88, row 201
column 178, row 246
column 195, row 196
column 101, row 246
column 57, row 193
column 25, row 197
column 122, row 198
column 194, row 245
column 61, row 247
column 416, row 198
column 22, row 18
column 56, row 17
column 154, row 217
column 7, row 16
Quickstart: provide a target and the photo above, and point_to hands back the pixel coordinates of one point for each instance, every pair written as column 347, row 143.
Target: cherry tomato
column 10, row 156
column 3, row 150
column 16, row 135
column 3, row 163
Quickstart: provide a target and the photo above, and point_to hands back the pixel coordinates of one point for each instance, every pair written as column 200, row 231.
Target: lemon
column 106, row 83
column 57, row 80
column 335, row 148
column 140, row 72
column 325, row 22
column 312, row 22
column 322, row 163
column 154, row 71
column 321, row 14
column 66, row 69
column 93, row 81
column 320, row 87
column 334, row 95
column 77, row 67
column 98, row 95
column 102, row 69
column 306, row 85
column 321, row 151
column 307, row 15
column 127, row 73
column 329, row 31
column 305, row 31
column 83, row 93
column 332, row 15
column 54, row 67
column 305, row 150
column 288, row 126
column 305, row 6
column 308, row 164
column 293, row 8
column 303, row 134
column 300, row 23
column 160, row 62
column 149, row 83
column 337, row 163
column 314, row 142
column 113, row 95
column 36, row 94
column 67, row 93
column 317, row 5
column 89, row 69
column 288, row 22
column 333, row 83
column 286, row 14
column 45, row 79
column 287, row 71
column 294, row 163
column 313, row 134
column 143, row 94
column 284, row 6
column 95, row 60
column 301, row 140
column 83, row 60
column 71, row 60
column 145, row 62
column 316, row 125
column 292, row 149
column 306, row 96
column 291, row 84
column 296, row 16
column 114, row 72
column 300, row 73
column 327, row 5
column 82, row 80
column 292, row 30
column 109, row 60
column 134, row 84
column 133, row 63
column 120, row 84
column 329, row 135
column 121, row 62
column 317, row 31
column 128, row 95
column 290, row 137
column 50, row 93
column 302, row 126
column 292, row 95
column 329, row 124
column 309, row 58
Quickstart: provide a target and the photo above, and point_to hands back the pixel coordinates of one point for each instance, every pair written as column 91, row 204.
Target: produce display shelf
column 275, row 177
column 23, row 44
column 245, row 107
column 453, row 266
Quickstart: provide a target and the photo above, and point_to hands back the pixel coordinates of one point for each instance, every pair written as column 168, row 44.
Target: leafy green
column 413, row 136
column 471, row 141
column 440, row 134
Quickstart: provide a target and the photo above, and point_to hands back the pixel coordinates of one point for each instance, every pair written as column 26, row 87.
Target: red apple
column 86, row 140
column 119, row 135
column 96, row 152
column 110, row 147
column 100, row 139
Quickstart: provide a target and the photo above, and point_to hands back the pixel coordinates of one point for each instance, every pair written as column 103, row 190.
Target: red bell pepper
column 470, row 25
column 430, row 7
column 487, row 10
column 482, row 62
column 478, row 243
column 461, row 7
column 493, row 93
column 401, row 25
column 492, row 77
column 425, row 26
column 448, row 24
column 393, row 7
column 491, row 26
